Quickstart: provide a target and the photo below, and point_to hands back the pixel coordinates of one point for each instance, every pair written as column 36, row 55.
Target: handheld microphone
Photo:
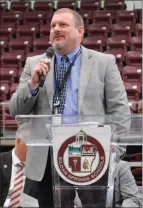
column 49, row 54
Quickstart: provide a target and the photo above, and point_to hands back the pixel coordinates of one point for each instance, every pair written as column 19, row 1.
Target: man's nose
column 57, row 27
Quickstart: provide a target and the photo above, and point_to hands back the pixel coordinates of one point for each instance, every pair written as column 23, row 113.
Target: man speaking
column 78, row 82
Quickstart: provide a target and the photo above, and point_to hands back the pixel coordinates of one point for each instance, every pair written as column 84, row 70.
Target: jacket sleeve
column 128, row 188
column 115, row 95
column 22, row 102
column 117, row 109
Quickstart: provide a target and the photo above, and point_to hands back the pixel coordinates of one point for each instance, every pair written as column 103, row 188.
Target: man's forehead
column 59, row 17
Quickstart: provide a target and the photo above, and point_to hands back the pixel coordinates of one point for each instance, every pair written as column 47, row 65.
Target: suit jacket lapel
column 85, row 71
column 49, row 83
column 28, row 186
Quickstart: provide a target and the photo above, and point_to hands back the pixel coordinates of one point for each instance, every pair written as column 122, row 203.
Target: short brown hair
column 78, row 18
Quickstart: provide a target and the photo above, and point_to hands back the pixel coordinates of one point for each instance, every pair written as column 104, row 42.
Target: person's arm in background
column 128, row 188
column 117, row 109
column 23, row 100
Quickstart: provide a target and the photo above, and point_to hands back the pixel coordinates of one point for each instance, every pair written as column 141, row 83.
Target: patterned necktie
column 62, row 96
column 18, row 186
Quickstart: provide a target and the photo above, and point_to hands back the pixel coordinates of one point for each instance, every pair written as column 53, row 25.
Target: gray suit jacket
column 101, row 91
column 126, row 190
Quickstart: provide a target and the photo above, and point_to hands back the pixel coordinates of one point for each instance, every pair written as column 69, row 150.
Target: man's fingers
column 44, row 60
column 44, row 65
column 44, row 68
column 41, row 68
column 38, row 70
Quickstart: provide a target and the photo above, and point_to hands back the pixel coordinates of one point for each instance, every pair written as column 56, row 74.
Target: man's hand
column 40, row 69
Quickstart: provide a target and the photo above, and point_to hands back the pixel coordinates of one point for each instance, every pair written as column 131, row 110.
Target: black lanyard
column 58, row 87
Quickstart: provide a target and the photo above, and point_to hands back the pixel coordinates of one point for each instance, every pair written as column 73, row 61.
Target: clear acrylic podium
column 84, row 152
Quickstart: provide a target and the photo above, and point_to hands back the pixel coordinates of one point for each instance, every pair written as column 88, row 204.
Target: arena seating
column 109, row 28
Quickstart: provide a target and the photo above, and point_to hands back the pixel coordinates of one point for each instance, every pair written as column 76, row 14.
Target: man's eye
column 63, row 24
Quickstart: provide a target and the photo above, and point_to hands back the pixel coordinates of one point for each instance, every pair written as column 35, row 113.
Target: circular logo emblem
column 81, row 159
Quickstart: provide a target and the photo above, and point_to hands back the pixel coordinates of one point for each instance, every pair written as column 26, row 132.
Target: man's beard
column 58, row 46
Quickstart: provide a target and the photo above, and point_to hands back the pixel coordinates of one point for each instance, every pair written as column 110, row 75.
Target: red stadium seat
column 27, row 31
column 12, row 59
column 20, row 6
column 138, row 30
column 90, row 5
column 116, row 44
column 132, row 73
column 41, row 44
column 9, row 73
column 102, row 24
column 126, row 17
column 48, row 17
column 114, row 1
column 140, row 16
column 114, row 5
column 34, row 17
column 86, row 17
column 6, row 33
column 3, row 97
column 137, row 157
column 134, row 58
column 71, row 4
column 9, row 122
column 3, row 6
column 119, row 57
column 94, row 43
column 4, row 90
column 98, row 33
column 13, row 88
column 100, row 18
column 45, row 30
column 137, row 173
column 5, row 86
column 11, row 17
column 133, row 90
column 20, row 45
column 133, row 105
column 104, row 12
column 7, row 25
column 2, row 46
column 136, row 44
column 43, row 6
column 121, row 31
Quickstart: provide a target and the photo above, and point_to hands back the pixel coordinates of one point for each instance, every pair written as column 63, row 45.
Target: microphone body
column 49, row 54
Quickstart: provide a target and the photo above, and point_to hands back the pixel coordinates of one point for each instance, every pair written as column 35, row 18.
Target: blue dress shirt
column 71, row 104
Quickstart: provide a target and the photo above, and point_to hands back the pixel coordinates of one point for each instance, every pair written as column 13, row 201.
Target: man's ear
column 80, row 31
column 17, row 141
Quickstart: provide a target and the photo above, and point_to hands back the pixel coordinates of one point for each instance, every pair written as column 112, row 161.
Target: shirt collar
column 15, row 159
column 70, row 55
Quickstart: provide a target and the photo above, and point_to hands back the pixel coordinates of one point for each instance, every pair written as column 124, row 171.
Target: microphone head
column 50, row 52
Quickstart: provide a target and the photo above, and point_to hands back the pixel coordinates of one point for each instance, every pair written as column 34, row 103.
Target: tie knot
column 64, row 59
column 21, row 165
